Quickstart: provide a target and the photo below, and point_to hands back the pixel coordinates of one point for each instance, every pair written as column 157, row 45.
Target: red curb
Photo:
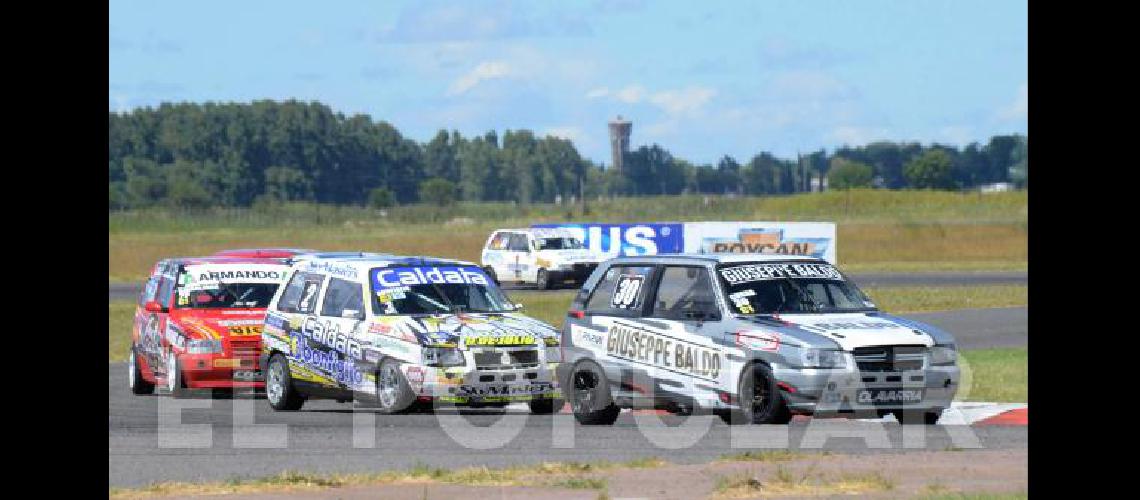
column 1011, row 417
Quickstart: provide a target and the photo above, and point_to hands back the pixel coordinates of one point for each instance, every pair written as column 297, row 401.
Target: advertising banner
column 816, row 239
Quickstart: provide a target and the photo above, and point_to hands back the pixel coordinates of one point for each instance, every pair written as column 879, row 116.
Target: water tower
column 619, row 140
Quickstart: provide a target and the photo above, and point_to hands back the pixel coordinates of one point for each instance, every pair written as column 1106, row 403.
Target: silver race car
column 753, row 338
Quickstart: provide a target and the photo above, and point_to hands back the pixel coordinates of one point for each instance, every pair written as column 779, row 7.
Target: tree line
column 235, row 154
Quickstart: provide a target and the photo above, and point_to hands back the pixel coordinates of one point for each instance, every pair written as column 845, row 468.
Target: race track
column 320, row 438
column 130, row 291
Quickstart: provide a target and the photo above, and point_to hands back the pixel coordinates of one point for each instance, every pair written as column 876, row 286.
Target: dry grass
column 560, row 474
column 806, row 483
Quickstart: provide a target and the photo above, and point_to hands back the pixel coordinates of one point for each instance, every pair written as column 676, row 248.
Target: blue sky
column 702, row 79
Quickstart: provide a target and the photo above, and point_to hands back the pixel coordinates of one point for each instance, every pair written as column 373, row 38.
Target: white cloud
column 631, row 94
column 682, row 101
column 598, row 93
column 486, row 70
column 958, row 135
column 852, row 135
column 1019, row 108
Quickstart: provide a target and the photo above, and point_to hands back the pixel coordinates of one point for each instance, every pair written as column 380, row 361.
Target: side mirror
column 517, row 306
column 154, row 306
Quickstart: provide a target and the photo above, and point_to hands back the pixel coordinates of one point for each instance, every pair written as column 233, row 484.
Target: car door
column 342, row 317
column 298, row 304
column 495, row 254
column 154, row 342
column 684, row 311
column 613, row 330
column 518, row 266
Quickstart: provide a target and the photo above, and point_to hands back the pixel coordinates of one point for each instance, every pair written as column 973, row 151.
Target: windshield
column 559, row 244
column 771, row 288
column 435, row 290
column 225, row 286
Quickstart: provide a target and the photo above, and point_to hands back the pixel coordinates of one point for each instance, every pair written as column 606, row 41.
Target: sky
column 702, row 79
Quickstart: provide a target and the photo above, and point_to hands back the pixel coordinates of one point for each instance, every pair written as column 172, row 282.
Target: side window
column 342, row 296
column 518, row 243
column 300, row 295
column 620, row 292
column 499, row 241
column 684, row 293
column 148, row 290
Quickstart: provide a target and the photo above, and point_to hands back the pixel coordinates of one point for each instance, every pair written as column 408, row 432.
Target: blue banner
column 627, row 239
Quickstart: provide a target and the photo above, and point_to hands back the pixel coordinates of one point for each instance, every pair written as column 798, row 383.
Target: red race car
column 198, row 324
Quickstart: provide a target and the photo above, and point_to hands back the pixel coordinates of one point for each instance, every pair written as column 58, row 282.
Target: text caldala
column 757, row 272
column 660, row 350
column 403, row 276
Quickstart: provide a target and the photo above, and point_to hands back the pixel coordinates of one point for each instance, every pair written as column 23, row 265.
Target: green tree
column 932, row 169
column 381, row 198
column 439, row 192
column 287, row 184
column 847, row 174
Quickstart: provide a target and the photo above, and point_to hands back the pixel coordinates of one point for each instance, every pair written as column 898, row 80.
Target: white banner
column 816, row 239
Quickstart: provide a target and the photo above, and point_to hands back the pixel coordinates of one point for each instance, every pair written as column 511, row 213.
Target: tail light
column 576, row 314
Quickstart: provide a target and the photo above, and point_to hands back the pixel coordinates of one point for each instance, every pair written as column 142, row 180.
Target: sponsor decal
column 644, row 346
column 503, row 389
column 853, row 325
column 759, row 272
column 627, row 292
column 765, row 241
column 343, row 371
column 239, row 275
column 583, row 336
column 240, row 322
column 334, row 269
column 328, row 334
column 499, row 340
column 758, row 340
column 240, row 331
column 394, row 277
column 626, row 239
column 876, row 396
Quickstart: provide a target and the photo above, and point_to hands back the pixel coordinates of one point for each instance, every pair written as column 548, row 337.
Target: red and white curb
column 959, row 413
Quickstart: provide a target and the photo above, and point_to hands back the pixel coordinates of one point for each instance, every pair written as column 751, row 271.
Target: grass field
column 877, row 230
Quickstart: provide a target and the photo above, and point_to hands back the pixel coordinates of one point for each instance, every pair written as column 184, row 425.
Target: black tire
column 175, row 383
column 393, row 394
column 135, row 380
column 279, row 390
column 491, row 274
column 542, row 280
column 590, row 396
column 770, row 408
column 546, row 406
column 914, row 417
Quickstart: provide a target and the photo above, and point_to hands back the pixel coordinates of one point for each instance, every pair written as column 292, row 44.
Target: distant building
column 619, row 140
column 997, row 187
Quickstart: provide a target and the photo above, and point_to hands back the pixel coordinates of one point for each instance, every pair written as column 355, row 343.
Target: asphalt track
column 130, row 291
column 146, row 447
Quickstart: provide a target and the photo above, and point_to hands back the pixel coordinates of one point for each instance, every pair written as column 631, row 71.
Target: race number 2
column 626, row 292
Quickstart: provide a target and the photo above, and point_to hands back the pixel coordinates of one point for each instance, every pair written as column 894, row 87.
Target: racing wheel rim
column 757, row 394
column 171, row 372
column 131, row 368
column 275, row 385
column 585, row 385
column 387, row 386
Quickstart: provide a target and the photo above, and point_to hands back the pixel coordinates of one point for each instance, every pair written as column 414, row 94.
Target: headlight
column 203, row 346
column 443, row 356
column 946, row 354
column 823, row 358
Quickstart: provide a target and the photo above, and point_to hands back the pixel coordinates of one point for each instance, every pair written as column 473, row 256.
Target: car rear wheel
column 590, row 396
column 137, row 383
column 542, row 280
column 914, row 417
column 760, row 399
column 279, row 389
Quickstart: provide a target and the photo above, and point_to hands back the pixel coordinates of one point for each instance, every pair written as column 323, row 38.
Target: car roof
column 365, row 261
column 720, row 258
column 540, row 231
column 262, row 252
column 189, row 261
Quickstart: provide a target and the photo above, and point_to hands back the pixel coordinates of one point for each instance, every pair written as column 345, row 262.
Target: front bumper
column 468, row 385
column 846, row 390
column 218, row 371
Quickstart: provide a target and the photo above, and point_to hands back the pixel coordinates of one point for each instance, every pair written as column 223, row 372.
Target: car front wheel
column 760, row 399
column 542, row 280
column 909, row 417
column 393, row 394
column 175, row 384
column 279, row 389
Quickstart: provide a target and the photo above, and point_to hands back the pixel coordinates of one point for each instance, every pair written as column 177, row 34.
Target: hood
column 220, row 323
column 860, row 329
column 489, row 330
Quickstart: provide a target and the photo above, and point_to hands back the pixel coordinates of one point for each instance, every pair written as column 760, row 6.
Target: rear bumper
column 215, row 371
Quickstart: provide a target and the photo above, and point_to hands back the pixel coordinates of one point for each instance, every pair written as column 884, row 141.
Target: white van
column 543, row 257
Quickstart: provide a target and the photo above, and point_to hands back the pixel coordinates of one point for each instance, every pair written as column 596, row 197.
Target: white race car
column 543, row 257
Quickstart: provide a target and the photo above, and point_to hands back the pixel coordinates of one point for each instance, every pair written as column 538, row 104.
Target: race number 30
column 626, row 292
